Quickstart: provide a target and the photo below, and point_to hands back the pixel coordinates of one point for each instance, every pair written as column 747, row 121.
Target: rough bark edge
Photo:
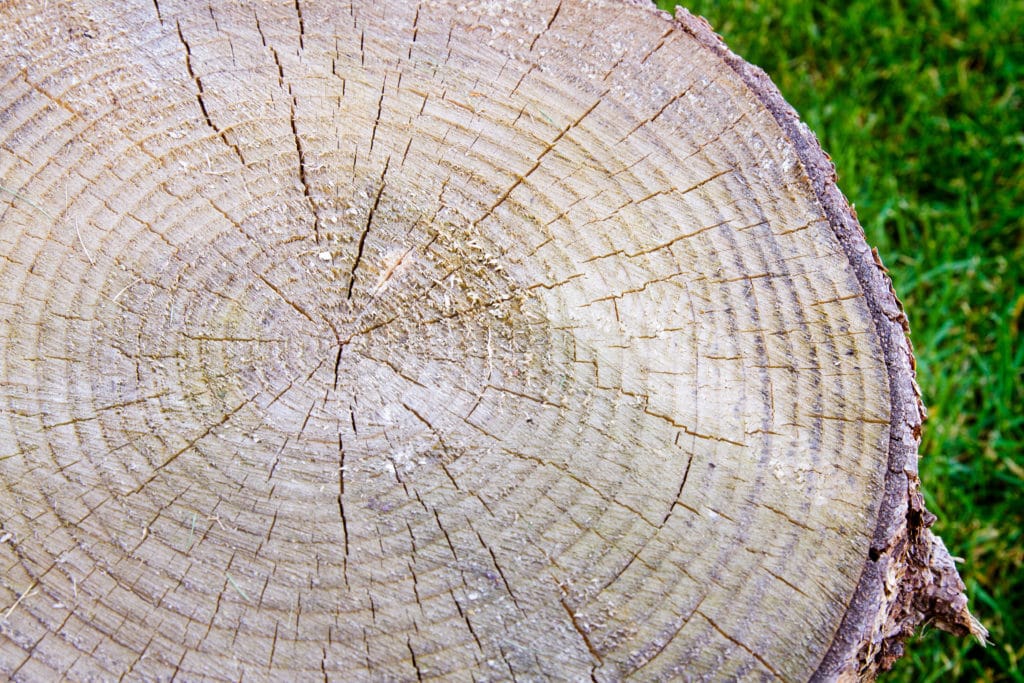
column 909, row 577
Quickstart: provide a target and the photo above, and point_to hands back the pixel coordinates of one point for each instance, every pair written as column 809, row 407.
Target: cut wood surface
column 466, row 340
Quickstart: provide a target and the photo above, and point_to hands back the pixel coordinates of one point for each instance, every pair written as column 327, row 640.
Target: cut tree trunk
column 475, row 340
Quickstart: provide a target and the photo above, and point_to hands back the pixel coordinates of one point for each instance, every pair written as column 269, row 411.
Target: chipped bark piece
column 451, row 339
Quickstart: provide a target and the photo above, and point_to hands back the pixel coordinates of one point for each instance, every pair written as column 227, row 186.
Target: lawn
column 920, row 106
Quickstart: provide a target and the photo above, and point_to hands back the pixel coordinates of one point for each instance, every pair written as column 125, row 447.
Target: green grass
column 920, row 105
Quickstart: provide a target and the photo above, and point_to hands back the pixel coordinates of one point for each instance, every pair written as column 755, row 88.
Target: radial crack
column 200, row 95
column 574, row 620
column 415, row 30
column 540, row 158
column 302, row 25
column 341, row 491
column 302, row 176
column 366, row 229
column 679, row 494
column 191, row 444
column 440, row 440
column 501, row 572
column 380, row 108
column 337, row 366
column 741, row 645
column 415, row 664
column 546, row 28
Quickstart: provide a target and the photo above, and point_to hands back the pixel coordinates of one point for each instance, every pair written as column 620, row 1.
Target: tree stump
column 467, row 340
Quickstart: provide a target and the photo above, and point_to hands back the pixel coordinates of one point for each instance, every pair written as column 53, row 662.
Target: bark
column 469, row 340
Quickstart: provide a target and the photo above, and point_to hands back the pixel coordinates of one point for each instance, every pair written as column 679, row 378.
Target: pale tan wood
column 469, row 340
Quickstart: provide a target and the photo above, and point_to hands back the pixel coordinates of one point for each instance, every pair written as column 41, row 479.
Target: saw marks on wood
column 399, row 341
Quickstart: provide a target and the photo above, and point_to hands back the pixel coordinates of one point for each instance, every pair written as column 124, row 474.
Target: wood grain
column 444, row 340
